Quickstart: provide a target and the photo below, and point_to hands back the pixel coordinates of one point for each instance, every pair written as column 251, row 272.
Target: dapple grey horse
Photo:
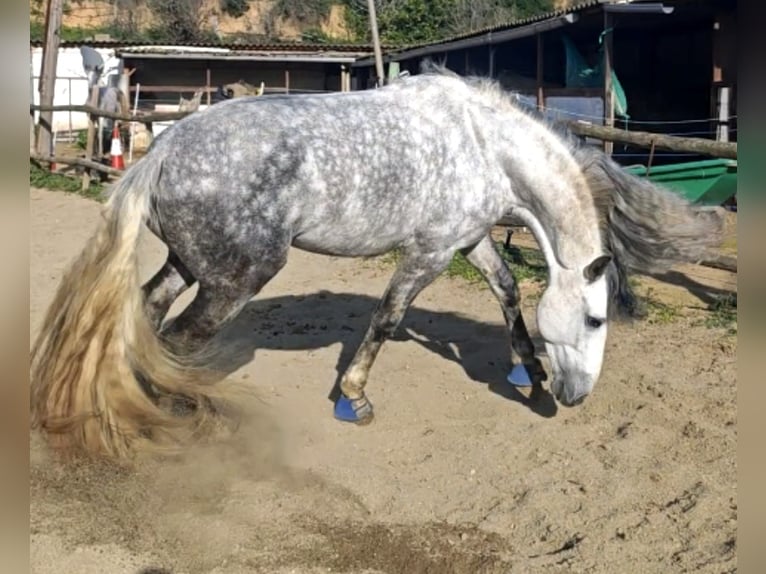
column 425, row 165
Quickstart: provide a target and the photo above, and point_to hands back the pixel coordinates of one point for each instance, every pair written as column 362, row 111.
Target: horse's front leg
column 487, row 260
column 414, row 273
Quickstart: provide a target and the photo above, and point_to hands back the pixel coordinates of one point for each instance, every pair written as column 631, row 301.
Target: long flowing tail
column 99, row 372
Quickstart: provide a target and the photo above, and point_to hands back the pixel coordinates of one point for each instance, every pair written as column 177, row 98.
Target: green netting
column 580, row 75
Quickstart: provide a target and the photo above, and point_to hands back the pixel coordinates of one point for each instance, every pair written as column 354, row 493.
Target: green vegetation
column 406, row 21
column 720, row 314
column 660, row 313
column 403, row 22
column 400, row 22
column 301, row 11
column 526, row 264
column 723, row 314
column 657, row 311
column 235, row 8
column 41, row 177
column 68, row 33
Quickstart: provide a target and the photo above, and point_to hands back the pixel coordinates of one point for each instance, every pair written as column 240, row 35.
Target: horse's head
column 571, row 318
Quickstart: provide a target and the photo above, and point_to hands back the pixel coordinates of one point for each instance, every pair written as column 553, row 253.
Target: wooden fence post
column 32, row 138
column 47, row 81
column 92, row 121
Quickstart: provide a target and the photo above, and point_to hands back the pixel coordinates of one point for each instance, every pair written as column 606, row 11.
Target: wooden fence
column 637, row 138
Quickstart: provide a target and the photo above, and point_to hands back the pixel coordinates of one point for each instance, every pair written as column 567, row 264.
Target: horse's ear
column 596, row 268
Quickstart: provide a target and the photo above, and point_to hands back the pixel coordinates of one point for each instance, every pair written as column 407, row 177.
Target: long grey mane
column 645, row 227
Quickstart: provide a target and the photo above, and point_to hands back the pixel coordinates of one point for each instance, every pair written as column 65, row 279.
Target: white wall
column 71, row 83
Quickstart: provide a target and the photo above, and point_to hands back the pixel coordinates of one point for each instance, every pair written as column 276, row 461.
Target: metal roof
column 492, row 34
column 283, row 47
column 580, row 6
column 217, row 53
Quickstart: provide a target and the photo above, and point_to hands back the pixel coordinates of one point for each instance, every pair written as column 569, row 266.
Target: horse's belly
column 348, row 241
column 362, row 238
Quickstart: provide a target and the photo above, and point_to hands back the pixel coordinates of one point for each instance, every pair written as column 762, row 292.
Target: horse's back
column 353, row 173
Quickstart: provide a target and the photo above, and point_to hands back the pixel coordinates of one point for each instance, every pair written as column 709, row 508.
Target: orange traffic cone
column 116, row 152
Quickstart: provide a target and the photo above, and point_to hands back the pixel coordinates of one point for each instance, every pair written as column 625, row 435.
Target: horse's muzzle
column 564, row 394
column 573, row 402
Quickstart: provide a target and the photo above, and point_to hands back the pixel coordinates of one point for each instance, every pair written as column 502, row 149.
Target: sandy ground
column 458, row 473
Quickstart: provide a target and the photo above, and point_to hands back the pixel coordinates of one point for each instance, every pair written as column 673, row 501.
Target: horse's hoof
column 357, row 411
column 519, row 376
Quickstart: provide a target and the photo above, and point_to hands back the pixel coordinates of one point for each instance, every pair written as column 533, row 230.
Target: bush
column 235, row 8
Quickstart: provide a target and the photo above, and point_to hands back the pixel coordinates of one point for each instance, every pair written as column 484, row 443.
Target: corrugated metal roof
column 211, row 54
column 267, row 53
column 512, row 23
column 492, row 34
column 296, row 47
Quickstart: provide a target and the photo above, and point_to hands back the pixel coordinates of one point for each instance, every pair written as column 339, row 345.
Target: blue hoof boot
column 357, row 411
column 519, row 376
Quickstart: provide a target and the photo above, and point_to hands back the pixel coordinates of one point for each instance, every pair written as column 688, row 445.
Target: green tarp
column 580, row 75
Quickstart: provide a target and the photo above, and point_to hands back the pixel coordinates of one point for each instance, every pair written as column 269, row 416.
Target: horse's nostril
column 567, row 402
column 578, row 400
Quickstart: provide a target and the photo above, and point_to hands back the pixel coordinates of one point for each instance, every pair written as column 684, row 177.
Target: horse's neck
column 549, row 240
column 570, row 227
column 550, row 193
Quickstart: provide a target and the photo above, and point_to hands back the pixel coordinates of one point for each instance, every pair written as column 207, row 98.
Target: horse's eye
column 593, row 323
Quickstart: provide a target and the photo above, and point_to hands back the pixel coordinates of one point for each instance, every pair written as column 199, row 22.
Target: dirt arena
column 459, row 473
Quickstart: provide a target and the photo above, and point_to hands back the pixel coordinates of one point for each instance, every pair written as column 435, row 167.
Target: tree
column 235, row 8
column 403, row 21
column 415, row 21
column 178, row 21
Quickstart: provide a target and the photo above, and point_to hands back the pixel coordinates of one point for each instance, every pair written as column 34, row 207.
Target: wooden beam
column 640, row 139
column 345, row 78
column 720, row 88
column 723, row 262
column 163, row 88
column 47, row 83
column 78, row 161
column 92, row 119
column 608, row 88
column 700, row 146
column 141, row 118
column 722, row 97
column 32, row 137
column 208, row 87
column 540, row 95
column 380, row 80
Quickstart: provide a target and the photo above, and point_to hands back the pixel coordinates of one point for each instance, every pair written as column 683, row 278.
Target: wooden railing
column 637, row 138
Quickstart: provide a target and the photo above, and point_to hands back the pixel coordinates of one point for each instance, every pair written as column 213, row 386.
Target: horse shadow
column 313, row 321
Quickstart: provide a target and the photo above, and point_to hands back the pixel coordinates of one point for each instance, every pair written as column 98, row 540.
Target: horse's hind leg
column 165, row 287
column 487, row 260
column 413, row 274
column 221, row 295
